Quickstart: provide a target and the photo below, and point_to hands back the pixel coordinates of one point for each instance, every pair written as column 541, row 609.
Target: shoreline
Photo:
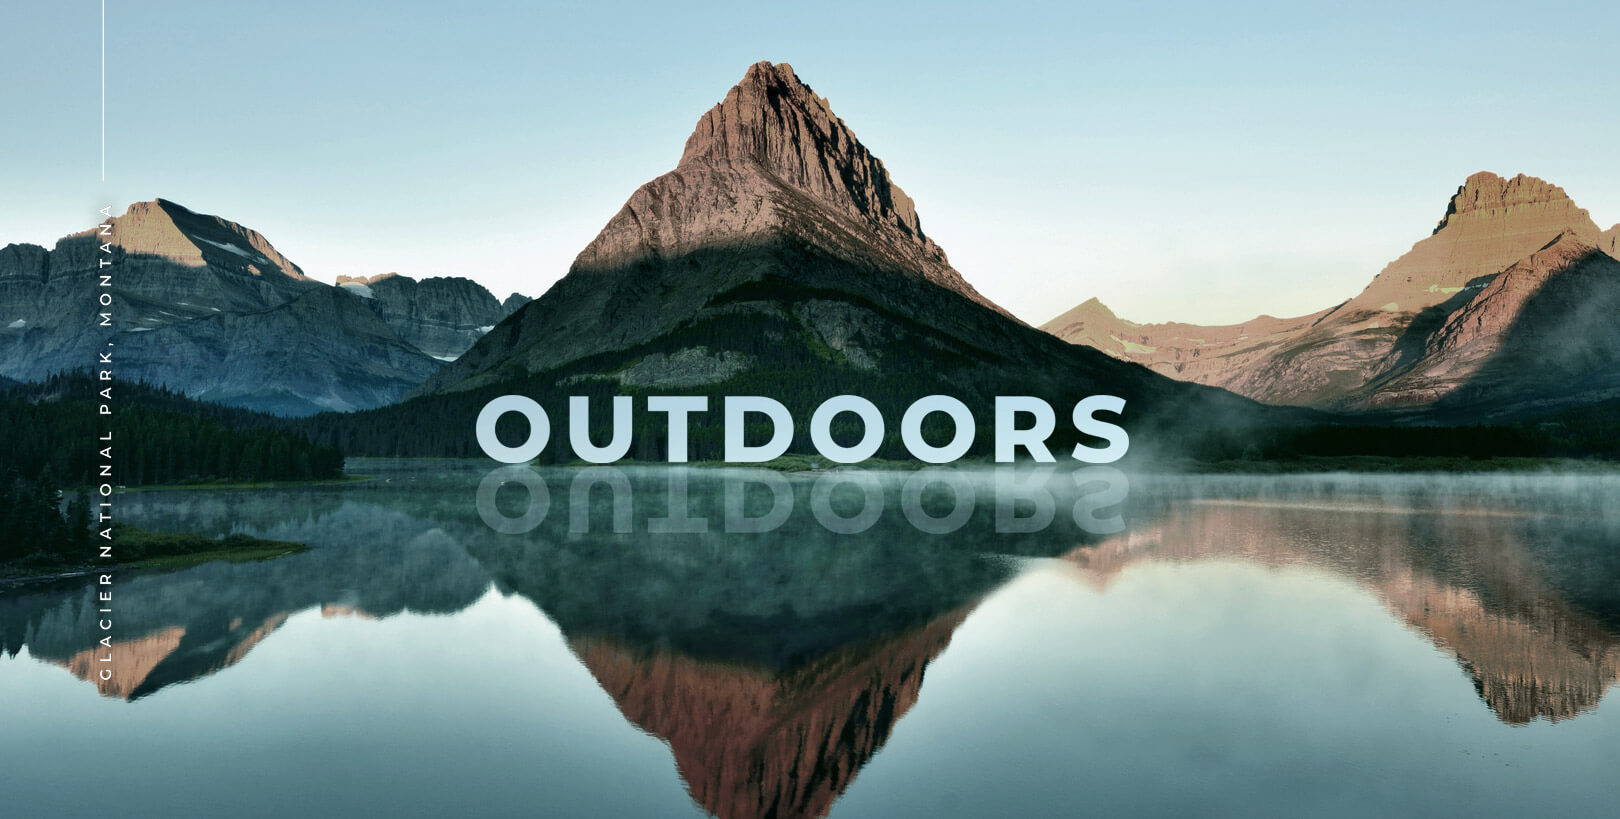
column 1370, row 464
column 189, row 487
column 254, row 549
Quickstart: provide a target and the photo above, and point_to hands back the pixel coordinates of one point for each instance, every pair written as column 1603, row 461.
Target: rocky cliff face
column 325, row 350
column 441, row 316
column 1541, row 332
column 212, row 309
column 1489, row 223
column 778, row 248
column 772, row 157
column 1427, row 331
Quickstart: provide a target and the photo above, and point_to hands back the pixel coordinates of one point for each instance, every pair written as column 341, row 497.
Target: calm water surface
column 682, row 642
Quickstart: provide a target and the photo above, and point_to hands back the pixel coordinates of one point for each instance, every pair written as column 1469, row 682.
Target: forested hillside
column 52, row 451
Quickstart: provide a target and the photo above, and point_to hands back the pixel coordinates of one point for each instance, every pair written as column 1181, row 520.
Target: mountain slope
column 779, row 258
column 1542, row 335
column 326, row 350
column 1402, row 342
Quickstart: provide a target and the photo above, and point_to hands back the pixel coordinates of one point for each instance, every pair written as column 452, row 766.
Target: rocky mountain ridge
column 210, row 308
column 1432, row 331
column 441, row 316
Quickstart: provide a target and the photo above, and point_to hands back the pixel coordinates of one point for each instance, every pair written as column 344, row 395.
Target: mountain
column 778, row 257
column 210, row 308
column 512, row 304
column 441, row 316
column 1501, row 309
column 1541, row 334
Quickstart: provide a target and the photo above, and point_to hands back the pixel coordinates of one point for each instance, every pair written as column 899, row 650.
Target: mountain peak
column 757, row 111
column 1490, row 223
column 1487, row 193
column 1567, row 246
column 1091, row 309
column 1091, row 323
column 161, row 229
column 771, row 166
column 775, row 122
column 1095, row 303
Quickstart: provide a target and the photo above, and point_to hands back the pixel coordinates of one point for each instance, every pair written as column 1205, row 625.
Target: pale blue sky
column 1197, row 162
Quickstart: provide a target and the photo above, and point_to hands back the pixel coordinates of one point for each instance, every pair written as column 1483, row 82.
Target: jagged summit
column 1515, row 272
column 1487, row 193
column 170, row 231
column 1490, row 223
column 772, row 119
column 770, row 163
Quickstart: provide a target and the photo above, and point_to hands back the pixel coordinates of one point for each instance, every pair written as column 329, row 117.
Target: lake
column 672, row 641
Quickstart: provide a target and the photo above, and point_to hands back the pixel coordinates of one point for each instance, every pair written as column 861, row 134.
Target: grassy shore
column 262, row 550
column 165, row 551
column 217, row 485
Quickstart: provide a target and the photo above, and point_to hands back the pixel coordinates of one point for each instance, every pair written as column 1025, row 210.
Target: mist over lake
column 1303, row 643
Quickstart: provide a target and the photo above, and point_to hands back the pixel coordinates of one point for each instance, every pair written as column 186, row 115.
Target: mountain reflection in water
column 1508, row 583
column 776, row 665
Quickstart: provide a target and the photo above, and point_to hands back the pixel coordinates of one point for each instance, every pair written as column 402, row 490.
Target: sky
column 1192, row 162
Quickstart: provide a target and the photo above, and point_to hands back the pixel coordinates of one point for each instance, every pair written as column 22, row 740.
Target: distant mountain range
column 439, row 316
column 1508, row 309
column 209, row 308
column 779, row 258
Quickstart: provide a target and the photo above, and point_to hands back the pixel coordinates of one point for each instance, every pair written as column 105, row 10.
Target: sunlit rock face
column 773, row 157
column 1489, row 224
column 210, row 308
column 1424, row 331
column 1542, row 331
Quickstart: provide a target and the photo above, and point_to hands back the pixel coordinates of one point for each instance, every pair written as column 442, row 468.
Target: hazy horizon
column 1194, row 164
